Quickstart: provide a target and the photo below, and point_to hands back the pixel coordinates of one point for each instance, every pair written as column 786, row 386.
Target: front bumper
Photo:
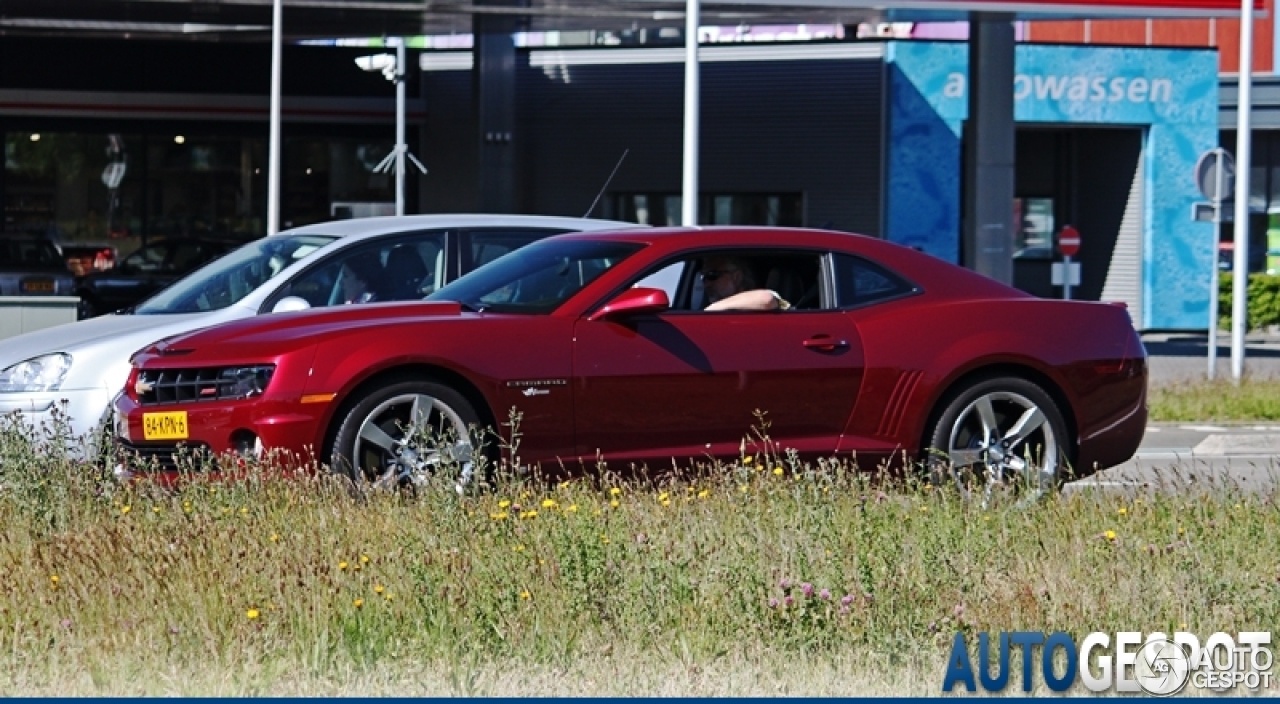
column 249, row 428
column 77, row 416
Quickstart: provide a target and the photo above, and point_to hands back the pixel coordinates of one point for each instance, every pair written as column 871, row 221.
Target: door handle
column 824, row 343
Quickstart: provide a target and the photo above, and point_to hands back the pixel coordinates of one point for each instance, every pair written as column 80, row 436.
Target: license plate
column 37, row 286
column 164, row 426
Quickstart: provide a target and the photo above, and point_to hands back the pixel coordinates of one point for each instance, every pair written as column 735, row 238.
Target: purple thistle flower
column 824, row 594
column 846, row 600
column 789, row 600
column 773, row 603
column 806, row 589
column 785, row 584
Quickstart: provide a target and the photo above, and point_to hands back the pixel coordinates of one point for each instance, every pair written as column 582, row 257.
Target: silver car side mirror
column 288, row 304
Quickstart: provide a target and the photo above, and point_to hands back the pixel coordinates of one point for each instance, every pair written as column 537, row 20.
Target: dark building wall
column 810, row 126
column 151, row 66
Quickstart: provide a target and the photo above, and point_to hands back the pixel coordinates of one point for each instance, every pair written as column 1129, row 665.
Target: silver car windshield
column 224, row 281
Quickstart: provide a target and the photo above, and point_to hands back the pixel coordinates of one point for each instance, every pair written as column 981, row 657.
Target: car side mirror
column 288, row 304
column 633, row 301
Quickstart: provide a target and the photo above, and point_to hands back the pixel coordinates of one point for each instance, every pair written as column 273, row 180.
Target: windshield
column 537, row 278
column 225, row 281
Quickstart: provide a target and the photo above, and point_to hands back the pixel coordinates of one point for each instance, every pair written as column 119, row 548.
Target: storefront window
column 1033, row 219
column 206, row 186
column 73, row 188
column 321, row 174
column 663, row 209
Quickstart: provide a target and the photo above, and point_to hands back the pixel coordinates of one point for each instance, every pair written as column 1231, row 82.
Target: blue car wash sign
column 1171, row 94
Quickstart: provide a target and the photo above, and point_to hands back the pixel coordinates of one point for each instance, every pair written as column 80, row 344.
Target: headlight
column 43, row 373
column 244, row 382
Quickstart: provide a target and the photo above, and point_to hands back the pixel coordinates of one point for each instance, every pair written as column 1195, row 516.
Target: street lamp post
column 393, row 68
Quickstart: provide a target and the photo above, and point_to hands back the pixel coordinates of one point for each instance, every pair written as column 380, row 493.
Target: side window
column 399, row 269
column 667, row 278
column 479, row 247
column 860, row 281
column 713, row 276
column 145, row 260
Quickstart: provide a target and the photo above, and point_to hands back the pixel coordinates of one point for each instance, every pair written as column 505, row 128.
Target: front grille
column 169, row 386
column 165, row 458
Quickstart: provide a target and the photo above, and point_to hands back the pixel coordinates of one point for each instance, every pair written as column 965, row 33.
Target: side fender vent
column 894, row 409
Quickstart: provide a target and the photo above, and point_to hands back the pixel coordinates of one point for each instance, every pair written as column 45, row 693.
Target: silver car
column 80, row 367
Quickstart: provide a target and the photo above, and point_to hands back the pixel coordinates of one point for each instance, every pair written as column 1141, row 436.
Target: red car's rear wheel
column 406, row 434
column 1001, row 432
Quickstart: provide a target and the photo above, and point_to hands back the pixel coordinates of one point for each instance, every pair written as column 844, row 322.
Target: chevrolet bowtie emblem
column 141, row 387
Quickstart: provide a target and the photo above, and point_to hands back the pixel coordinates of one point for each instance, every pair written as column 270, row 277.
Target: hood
column 100, row 347
column 267, row 335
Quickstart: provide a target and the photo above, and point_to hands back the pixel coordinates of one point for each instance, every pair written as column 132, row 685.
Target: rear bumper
column 1115, row 442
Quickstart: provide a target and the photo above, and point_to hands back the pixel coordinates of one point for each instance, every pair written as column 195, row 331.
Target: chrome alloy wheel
column 409, row 438
column 1002, row 438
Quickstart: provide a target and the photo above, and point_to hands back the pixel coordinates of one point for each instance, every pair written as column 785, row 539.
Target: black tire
column 367, row 463
column 956, row 451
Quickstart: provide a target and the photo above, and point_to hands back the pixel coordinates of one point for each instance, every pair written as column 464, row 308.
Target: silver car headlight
column 43, row 373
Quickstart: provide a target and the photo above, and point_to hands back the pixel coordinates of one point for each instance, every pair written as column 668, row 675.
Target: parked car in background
column 145, row 271
column 605, row 345
column 32, row 266
column 84, row 364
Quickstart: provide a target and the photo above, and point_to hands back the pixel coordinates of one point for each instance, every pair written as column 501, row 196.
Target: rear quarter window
column 860, row 282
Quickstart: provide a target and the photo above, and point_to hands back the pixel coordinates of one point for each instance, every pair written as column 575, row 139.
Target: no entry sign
column 1069, row 241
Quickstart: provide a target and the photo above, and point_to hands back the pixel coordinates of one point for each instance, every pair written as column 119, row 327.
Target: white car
column 80, row 367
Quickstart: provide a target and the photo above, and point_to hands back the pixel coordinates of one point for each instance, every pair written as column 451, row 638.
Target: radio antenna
column 607, row 182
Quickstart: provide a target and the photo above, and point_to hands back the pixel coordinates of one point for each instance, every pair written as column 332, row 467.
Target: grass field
column 753, row 578
column 1220, row 400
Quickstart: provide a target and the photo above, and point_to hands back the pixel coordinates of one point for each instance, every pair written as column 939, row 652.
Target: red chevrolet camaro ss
column 604, row 345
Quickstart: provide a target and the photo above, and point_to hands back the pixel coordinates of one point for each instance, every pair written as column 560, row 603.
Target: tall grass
column 740, row 578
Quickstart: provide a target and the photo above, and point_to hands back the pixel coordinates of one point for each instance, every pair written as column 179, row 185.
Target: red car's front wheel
column 406, row 434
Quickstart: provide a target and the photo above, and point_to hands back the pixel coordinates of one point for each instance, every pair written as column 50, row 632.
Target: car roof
column 399, row 223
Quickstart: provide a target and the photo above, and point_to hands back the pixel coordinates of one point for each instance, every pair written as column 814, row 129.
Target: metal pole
column 401, row 147
column 1066, row 278
column 273, row 140
column 1218, row 175
column 1240, row 264
column 689, row 209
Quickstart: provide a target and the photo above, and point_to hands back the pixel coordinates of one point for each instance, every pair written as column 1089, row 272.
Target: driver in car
column 729, row 284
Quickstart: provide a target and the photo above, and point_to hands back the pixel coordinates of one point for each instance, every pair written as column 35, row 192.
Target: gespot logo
column 1158, row 665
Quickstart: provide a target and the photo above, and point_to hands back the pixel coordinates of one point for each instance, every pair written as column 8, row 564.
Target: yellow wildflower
column 274, row 537
column 525, row 594
column 704, row 493
column 499, row 516
column 155, row 509
column 548, row 503
column 124, row 509
column 614, row 503
column 747, row 460
column 358, row 603
column 1110, row 535
column 251, row 614
column 666, row 502
column 342, row 565
column 662, row 496
column 573, row 508
column 364, row 559
column 378, row 589
column 777, row 471
column 615, row 491
column 1123, row 511
column 504, row 503
column 518, row 548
